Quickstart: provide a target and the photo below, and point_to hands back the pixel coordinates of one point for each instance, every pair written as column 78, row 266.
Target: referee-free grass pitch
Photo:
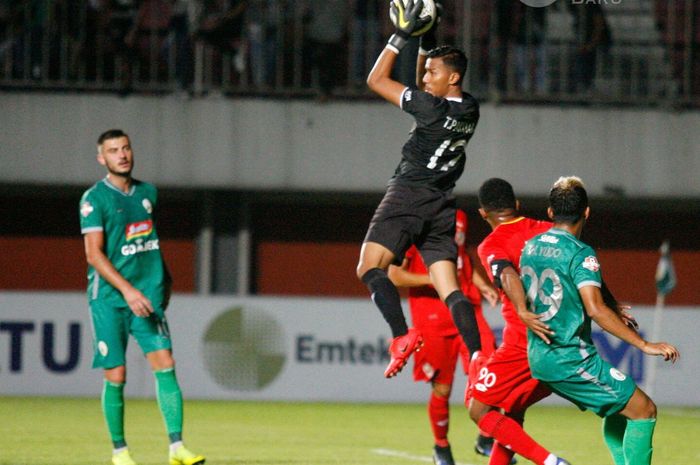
column 68, row 431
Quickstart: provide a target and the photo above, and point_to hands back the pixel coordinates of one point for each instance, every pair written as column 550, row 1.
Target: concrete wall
column 344, row 146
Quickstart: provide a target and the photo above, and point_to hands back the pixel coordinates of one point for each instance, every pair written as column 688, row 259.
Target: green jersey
column 130, row 239
column 553, row 267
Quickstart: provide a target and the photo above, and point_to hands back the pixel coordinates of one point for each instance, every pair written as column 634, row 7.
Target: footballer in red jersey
column 437, row 361
column 509, row 364
column 501, row 387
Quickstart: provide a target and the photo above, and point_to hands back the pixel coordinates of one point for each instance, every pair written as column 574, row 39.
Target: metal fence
column 620, row 52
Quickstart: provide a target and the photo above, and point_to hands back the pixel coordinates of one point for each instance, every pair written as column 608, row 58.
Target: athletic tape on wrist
column 397, row 42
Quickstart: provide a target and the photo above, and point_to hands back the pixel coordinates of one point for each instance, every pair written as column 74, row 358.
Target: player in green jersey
column 561, row 276
column 128, row 291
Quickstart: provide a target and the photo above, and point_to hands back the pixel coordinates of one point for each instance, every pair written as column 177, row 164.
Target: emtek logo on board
column 244, row 349
column 310, row 350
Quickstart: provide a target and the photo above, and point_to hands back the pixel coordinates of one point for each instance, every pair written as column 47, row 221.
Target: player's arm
column 513, row 287
column 481, row 279
column 428, row 41
column 94, row 252
column 380, row 81
column 621, row 310
column 401, row 277
column 611, row 322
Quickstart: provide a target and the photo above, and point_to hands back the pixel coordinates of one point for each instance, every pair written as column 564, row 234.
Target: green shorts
column 111, row 328
column 597, row 386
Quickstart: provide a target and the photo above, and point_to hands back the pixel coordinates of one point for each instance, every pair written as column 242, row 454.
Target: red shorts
column 506, row 381
column 437, row 360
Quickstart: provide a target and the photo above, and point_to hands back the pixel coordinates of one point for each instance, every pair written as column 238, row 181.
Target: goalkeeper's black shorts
column 422, row 216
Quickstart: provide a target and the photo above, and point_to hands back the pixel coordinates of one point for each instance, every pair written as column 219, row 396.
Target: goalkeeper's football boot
column 443, row 456
column 123, row 458
column 183, row 456
column 400, row 349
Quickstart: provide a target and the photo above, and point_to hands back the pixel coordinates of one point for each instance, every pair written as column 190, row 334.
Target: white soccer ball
column 428, row 11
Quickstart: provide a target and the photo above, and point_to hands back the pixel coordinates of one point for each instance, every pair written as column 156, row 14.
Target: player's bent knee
column 647, row 407
column 442, row 390
column 650, row 409
column 477, row 410
column 116, row 374
column 640, row 406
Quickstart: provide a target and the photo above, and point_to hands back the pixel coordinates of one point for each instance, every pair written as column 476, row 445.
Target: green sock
column 170, row 402
column 113, row 408
column 613, row 433
column 637, row 442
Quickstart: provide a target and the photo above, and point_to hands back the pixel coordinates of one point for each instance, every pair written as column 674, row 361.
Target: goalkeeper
column 419, row 207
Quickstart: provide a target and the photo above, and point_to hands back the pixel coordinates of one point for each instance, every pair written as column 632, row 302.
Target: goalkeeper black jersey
column 434, row 154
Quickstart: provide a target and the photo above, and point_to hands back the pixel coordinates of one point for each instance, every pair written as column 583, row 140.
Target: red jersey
column 506, row 243
column 428, row 312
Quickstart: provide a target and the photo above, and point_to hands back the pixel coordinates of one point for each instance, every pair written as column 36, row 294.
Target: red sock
column 500, row 455
column 439, row 413
column 509, row 433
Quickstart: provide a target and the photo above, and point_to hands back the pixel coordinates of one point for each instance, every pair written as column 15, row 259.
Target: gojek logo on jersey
column 136, row 232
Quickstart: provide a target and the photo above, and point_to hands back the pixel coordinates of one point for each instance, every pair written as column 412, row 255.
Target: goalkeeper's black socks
column 386, row 297
column 465, row 320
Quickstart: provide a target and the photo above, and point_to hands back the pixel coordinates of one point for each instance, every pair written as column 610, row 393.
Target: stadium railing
column 283, row 48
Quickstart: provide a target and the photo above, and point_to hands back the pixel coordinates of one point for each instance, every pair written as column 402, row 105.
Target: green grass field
column 60, row 431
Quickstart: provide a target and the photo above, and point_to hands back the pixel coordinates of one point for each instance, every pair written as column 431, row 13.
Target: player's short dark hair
column 453, row 57
column 568, row 200
column 111, row 134
column 496, row 194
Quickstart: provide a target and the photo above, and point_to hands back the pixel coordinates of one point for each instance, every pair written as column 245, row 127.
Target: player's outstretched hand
column 666, row 350
column 534, row 324
column 408, row 16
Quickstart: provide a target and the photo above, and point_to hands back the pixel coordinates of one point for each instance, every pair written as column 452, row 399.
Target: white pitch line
column 407, row 456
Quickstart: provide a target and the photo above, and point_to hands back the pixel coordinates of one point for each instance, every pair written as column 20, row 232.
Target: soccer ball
column 428, row 11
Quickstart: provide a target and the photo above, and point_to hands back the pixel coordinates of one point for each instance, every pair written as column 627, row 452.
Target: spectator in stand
column 481, row 14
column 221, row 25
column 530, row 52
column 112, row 57
column 150, row 39
column 10, row 25
column 592, row 35
column 324, row 44
column 180, row 25
column 365, row 38
column 263, row 20
column 676, row 27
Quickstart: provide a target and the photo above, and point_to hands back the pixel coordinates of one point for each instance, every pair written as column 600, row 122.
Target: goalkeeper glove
column 428, row 41
column 407, row 21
